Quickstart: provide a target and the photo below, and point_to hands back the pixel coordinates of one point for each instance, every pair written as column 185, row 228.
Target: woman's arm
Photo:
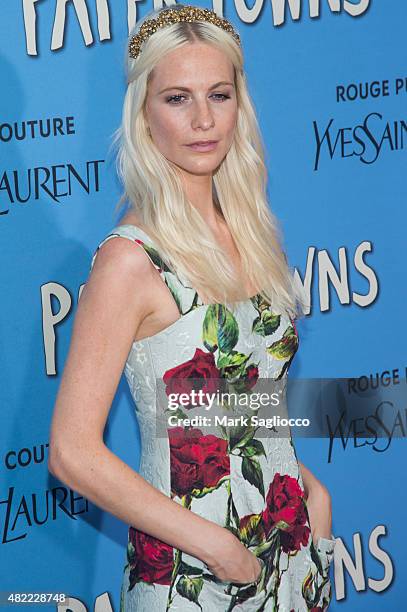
column 111, row 307
column 319, row 505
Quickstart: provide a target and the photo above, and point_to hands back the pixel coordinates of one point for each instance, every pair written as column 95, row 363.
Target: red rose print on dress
column 198, row 462
column 252, row 375
column 150, row 559
column 285, row 510
column 200, row 371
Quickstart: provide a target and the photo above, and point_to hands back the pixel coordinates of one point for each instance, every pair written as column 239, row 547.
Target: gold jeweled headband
column 169, row 16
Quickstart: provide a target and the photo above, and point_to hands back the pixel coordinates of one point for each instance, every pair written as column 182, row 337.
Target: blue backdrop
column 329, row 82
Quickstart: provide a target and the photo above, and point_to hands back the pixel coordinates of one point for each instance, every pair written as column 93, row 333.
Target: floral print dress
column 249, row 485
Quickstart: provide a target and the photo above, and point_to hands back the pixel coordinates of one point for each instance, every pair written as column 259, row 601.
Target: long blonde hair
column 153, row 187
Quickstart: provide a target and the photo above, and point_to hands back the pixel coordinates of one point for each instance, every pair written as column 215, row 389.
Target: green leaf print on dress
column 220, row 329
column 284, row 348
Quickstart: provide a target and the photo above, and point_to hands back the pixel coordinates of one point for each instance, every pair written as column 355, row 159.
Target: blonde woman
column 195, row 286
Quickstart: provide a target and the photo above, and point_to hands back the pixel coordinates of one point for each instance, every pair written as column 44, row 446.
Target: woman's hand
column 320, row 513
column 235, row 562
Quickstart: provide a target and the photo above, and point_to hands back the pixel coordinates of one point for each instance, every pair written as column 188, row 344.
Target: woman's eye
column 176, row 98
column 224, row 96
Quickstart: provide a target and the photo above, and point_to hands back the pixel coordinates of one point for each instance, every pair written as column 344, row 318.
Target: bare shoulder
column 123, row 272
column 123, row 256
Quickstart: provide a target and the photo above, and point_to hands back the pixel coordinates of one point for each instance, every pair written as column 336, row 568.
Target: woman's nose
column 202, row 115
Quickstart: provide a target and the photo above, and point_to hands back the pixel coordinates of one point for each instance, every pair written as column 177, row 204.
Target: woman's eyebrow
column 189, row 90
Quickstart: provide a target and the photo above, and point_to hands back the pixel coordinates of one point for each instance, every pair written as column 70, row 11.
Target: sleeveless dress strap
column 123, row 232
column 185, row 297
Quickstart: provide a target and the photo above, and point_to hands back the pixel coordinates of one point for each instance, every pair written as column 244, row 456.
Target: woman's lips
column 209, row 146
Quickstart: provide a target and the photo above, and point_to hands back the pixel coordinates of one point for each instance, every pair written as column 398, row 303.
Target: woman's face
column 191, row 97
